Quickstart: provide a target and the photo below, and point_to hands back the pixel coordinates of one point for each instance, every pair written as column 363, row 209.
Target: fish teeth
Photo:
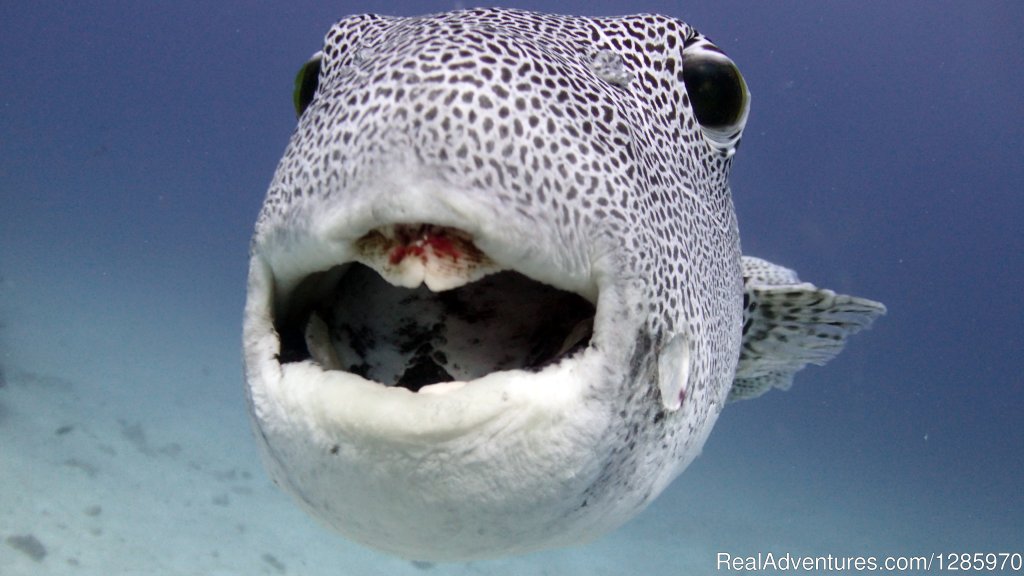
column 441, row 388
column 408, row 255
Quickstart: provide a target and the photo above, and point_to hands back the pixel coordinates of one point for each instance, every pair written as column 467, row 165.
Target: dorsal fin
column 788, row 324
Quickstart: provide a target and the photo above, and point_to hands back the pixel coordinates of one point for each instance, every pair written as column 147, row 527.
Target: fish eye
column 717, row 93
column 306, row 82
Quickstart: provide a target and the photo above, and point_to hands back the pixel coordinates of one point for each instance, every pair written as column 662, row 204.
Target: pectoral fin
column 788, row 324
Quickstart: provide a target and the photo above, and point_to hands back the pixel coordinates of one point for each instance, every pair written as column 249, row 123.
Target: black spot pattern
column 507, row 103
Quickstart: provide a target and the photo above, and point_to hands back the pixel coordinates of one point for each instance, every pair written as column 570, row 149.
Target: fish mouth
column 421, row 306
column 435, row 376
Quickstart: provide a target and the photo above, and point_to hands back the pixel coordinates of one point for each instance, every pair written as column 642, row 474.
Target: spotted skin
column 569, row 149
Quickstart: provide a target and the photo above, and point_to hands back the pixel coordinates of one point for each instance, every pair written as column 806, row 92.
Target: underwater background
column 884, row 157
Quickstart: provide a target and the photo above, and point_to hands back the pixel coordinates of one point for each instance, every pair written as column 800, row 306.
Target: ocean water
column 884, row 157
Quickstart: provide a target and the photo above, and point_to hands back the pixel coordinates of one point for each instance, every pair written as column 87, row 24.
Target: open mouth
column 422, row 308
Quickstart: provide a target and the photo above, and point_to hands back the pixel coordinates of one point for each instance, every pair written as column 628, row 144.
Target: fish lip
column 354, row 409
column 333, row 238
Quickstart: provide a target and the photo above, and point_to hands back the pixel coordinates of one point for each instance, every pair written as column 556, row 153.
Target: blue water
column 884, row 157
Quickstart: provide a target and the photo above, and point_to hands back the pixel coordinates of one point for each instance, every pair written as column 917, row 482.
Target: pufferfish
column 496, row 299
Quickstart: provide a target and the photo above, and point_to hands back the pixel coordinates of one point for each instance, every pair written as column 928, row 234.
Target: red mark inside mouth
column 425, row 242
